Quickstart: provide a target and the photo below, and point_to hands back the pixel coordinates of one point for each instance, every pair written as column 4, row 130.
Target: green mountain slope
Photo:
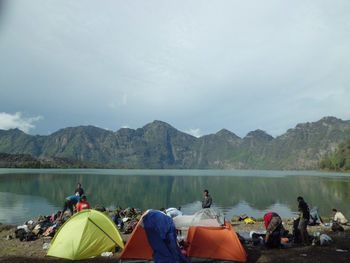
column 159, row 145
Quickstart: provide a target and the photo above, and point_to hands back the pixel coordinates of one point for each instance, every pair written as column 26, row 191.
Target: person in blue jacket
column 70, row 203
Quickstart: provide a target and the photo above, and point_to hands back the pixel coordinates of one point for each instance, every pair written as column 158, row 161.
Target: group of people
column 274, row 226
column 76, row 202
column 272, row 221
column 275, row 229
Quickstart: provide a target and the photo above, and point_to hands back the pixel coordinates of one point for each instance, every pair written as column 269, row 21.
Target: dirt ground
column 15, row 251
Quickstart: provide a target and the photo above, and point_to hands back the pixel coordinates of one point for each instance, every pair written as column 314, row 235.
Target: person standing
column 207, row 200
column 304, row 218
column 79, row 190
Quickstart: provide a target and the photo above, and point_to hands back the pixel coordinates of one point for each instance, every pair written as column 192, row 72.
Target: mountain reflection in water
column 27, row 193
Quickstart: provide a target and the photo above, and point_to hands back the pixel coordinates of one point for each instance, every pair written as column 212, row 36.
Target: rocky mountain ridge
column 158, row 145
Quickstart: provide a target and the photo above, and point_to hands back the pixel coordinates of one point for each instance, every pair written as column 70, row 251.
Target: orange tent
column 212, row 242
column 215, row 242
column 154, row 238
column 137, row 246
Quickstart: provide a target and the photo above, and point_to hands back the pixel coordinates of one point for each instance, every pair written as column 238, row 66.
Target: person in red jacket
column 83, row 204
column 274, row 229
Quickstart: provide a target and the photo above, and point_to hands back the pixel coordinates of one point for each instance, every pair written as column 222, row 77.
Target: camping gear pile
column 126, row 219
column 91, row 233
column 41, row 226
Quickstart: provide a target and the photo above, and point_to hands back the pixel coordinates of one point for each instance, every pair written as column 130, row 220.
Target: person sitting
column 338, row 217
column 82, row 204
column 274, row 230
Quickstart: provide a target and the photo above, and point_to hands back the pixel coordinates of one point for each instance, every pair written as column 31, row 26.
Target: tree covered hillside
column 339, row 160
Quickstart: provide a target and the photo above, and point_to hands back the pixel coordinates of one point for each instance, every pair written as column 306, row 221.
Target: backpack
column 337, row 227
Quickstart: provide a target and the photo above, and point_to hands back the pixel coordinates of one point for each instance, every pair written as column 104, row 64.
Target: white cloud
column 194, row 132
column 16, row 120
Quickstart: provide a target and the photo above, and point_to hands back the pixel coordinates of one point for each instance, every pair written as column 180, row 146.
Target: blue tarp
column 161, row 235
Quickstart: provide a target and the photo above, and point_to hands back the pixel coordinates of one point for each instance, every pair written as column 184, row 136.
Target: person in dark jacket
column 207, row 200
column 79, row 190
column 274, row 230
column 304, row 218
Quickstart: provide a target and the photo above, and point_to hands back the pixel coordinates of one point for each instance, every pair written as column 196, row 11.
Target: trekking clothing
column 207, row 201
column 303, row 224
column 274, row 229
column 82, row 205
column 79, row 190
column 70, row 202
column 315, row 218
column 68, row 205
column 304, row 210
column 73, row 198
column 340, row 218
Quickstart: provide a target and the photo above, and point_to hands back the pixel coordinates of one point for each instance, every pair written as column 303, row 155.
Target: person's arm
column 210, row 201
column 335, row 218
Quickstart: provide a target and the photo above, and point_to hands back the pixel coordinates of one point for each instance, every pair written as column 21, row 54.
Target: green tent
column 85, row 235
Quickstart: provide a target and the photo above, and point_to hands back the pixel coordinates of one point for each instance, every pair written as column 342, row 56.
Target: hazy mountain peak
column 158, row 124
column 259, row 134
column 227, row 133
column 331, row 119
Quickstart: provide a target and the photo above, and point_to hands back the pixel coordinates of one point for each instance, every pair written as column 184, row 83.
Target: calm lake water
column 26, row 193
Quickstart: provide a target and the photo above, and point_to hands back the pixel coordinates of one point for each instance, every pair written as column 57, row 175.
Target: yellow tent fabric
column 85, row 235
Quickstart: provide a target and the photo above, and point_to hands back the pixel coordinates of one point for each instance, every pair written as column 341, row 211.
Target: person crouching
column 83, row 204
column 274, row 230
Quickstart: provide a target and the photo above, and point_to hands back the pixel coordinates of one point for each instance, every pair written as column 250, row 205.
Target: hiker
column 315, row 218
column 207, row 200
column 82, row 204
column 338, row 217
column 274, row 230
column 70, row 202
column 79, row 190
column 304, row 218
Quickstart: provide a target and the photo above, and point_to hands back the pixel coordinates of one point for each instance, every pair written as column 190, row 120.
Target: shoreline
column 13, row 250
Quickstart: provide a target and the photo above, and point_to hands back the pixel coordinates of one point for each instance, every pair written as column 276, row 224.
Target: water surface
column 25, row 193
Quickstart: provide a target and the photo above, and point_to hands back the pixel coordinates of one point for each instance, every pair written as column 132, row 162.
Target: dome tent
column 153, row 238
column 210, row 236
column 85, row 235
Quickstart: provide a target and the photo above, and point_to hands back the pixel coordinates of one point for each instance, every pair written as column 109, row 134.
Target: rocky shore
column 13, row 250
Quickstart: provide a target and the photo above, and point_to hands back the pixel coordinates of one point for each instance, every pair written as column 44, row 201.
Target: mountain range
column 158, row 145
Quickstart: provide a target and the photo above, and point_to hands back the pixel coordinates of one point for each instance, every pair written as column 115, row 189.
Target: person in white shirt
column 339, row 217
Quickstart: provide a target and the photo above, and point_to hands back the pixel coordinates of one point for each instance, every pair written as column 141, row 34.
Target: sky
column 198, row 65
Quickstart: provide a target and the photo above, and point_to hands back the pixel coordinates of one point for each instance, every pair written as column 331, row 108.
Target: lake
column 26, row 193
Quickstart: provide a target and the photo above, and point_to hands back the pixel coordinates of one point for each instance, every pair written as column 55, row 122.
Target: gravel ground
column 13, row 250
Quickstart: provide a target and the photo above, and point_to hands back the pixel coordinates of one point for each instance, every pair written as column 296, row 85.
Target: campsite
column 14, row 250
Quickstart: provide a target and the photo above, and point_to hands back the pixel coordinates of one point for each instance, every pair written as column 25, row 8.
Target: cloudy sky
column 198, row 65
